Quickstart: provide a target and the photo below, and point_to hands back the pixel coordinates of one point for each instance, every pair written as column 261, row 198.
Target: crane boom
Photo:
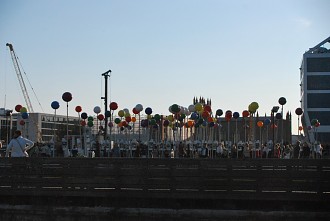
column 20, row 78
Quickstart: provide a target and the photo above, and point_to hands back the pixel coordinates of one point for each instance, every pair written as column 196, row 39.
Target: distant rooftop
column 323, row 47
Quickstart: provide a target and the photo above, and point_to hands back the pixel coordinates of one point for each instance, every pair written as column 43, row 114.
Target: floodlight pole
column 106, row 75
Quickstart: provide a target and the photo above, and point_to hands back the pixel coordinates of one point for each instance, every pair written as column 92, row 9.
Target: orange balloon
column 133, row 119
column 190, row 123
column 260, row 123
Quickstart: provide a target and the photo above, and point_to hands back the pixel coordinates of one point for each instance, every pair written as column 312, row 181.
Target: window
column 318, row 64
column 318, row 82
column 322, row 116
column 318, row 100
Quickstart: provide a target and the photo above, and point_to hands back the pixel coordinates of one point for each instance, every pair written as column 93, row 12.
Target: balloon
column 267, row 122
column 67, row 96
column 314, row 122
column 152, row 122
column 166, row 123
column 282, row 101
column 139, row 107
column 190, row 123
column 117, row 120
column 309, row 127
column 219, row 112
column 78, row 109
column 127, row 114
column 211, row 124
column 191, row 108
column 228, row 114
column 170, row 118
column 260, row 123
column 274, row 126
column 84, row 115
column 90, row 123
column 144, row 123
column 113, row 106
column 21, row 122
column 278, row 116
column 128, row 119
column 300, row 127
column 210, row 120
column 100, row 117
column 90, row 118
column 83, row 123
column 23, row 110
column 253, row 107
column 97, row 109
column 175, row 108
column 148, row 111
column 135, row 111
column 157, row 117
column 194, row 116
column 205, row 114
column 18, row 107
column 107, row 114
column 121, row 113
column 299, row 111
column 200, row 121
column 133, row 119
column 235, row 115
column 124, row 123
column 207, row 108
column 25, row 115
column 110, row 124
column 245, row 113
column 198, row 107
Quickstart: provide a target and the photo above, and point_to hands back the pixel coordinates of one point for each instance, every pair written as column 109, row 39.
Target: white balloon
column 126, row 111
column 139, row 107
column 97, row 109
column 191, row 108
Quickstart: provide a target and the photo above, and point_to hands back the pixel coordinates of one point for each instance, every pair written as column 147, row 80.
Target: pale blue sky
column 160, row 52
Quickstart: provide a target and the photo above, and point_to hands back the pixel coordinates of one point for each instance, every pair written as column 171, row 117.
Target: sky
column 160, row 52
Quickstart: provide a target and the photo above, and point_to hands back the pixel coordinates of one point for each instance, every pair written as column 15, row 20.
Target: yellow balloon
column 23, row 110
column 170, row 118
column 127, row 114
column 121, row 113
column 198, row 107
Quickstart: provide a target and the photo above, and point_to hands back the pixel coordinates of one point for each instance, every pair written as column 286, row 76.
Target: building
column 315, row 92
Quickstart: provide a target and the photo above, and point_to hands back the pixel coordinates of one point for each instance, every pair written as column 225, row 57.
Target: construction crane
column 20, row 78
column 23, row 88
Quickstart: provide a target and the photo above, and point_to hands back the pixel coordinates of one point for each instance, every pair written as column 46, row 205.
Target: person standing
column 19, row 145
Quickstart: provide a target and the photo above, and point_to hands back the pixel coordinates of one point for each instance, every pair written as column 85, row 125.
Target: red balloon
column 205, row 114
column 18, row 107
column 317, row 124
column 135, row 111
column 83, row 123
column 78, row 109
column 22, row 122
column 100, row 117
column 207, row 108
column 124, row 123
column 128, row 119
column 300, row 127
column 274, row 126
column 113, row 106
column 67, row 96
column 245, row 113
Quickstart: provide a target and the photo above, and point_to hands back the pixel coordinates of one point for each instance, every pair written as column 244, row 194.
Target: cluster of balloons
column 23, row 110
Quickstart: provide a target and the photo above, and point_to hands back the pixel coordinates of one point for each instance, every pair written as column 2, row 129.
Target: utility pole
column 106, row 75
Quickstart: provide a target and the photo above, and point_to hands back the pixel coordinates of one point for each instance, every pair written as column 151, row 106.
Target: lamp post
column 282, row 101
column 106, row 75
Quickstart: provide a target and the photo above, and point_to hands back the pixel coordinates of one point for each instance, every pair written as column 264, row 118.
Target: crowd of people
column 22, row 147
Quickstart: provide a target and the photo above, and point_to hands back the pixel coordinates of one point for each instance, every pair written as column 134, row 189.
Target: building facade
column 315, row 92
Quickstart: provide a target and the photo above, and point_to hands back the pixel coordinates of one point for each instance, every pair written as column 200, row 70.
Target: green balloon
column 90, row 123
column 157, row 117
column 90, row 118
column 152, row 122
column 175, row 108
column 117, row 120
column 314, row 122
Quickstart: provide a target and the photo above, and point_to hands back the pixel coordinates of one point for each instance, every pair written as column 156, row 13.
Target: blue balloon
column 107, row 114
column 267, row 121
column 148, row 110
column 278, row 116
column 25, row 115
column 235, row 115
column 55, row 105
column 194, row 116
column 84, row 115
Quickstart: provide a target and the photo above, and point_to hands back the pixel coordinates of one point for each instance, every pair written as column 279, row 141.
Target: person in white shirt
column 19, row 145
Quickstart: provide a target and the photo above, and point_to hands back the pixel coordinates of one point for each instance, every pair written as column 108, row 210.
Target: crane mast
column 20, row 78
